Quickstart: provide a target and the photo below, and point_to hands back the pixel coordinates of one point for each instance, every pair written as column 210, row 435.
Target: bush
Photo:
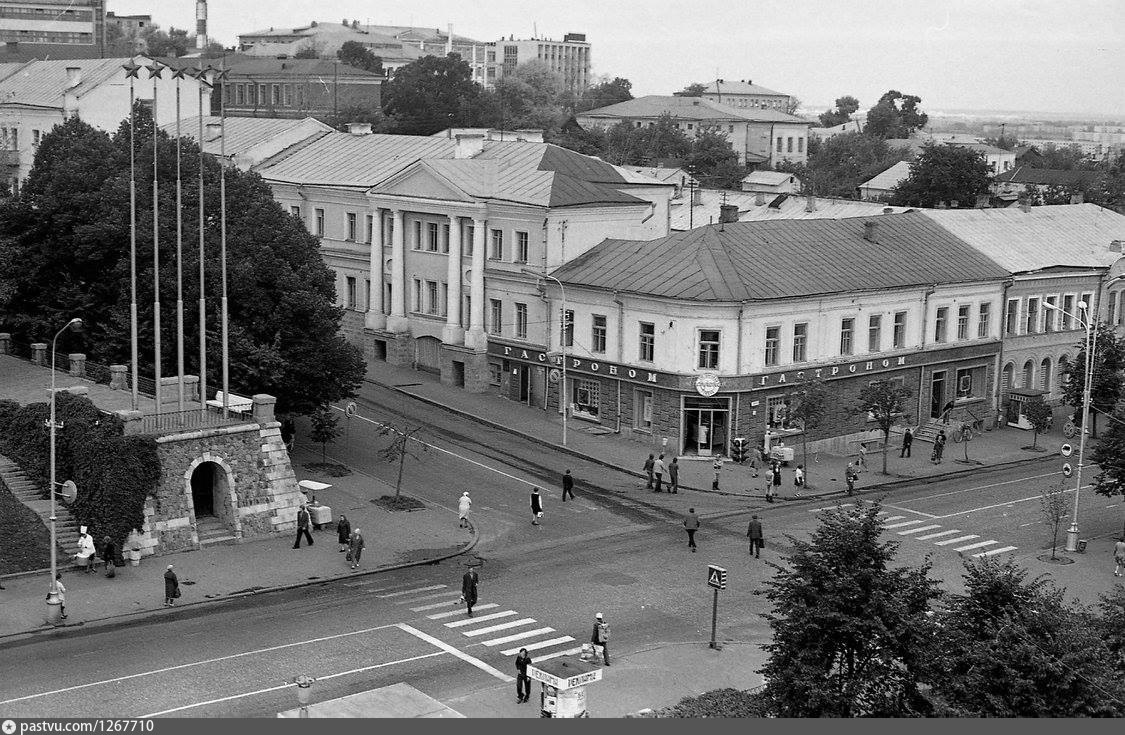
column 730, row 703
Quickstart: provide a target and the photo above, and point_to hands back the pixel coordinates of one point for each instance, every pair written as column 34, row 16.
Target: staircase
column 212, row 531
column 928, row 431
column 25, row 491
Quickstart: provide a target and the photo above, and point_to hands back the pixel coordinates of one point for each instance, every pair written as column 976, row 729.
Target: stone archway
column 209, row 492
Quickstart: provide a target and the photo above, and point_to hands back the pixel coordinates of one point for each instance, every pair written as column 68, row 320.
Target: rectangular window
column 847, row 333
column 800, row 342
column 773, row 344
column 587, row 398
column 899, row 335
column 417, row 244
column 984, row 319
column 370, row 236
column 432, row 237
column 1051, row 315
column 789, row 145
column 874, row 333
column 647, row 342
column 367, row 294
column 467, row 312
column 275, row 94
column 319, row 222
column 351, row 226
column 287, row 95
column 800, row 145
column 495, row 316
column 521, row 321
column 417, row 296
column 36, row 137
column 779, row 144
column 432, row 297
column 940, row 323
column 642, row 407
column 568, row 328
column 445, row 238
column 598, row 334
column 239, row 94
column 709, row 348
column 295, row 210
column 1012, row 317
column 1032, row 323
column 262, row 95
column 962, row 322
column 970, row 382
column 496, row 252
column 353, row 296
column 467, row 242
column 495, row 371
column 521, row 247
column 443, row 306
column 1068, row 309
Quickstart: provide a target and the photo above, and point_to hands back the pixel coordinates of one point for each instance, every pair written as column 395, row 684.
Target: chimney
column 73, row 76
column 810, row 205
column 359, row 128
column 760, row 199
column 355, row 25
column 1025, row 206
column 449, row 41
column 1077, row 198
column 869, row 228
column 201, row 24
column 1115, row 246
column 468, row 145
column 728, row 213
column 982, row 201
column 214, row 130
column 888, row 210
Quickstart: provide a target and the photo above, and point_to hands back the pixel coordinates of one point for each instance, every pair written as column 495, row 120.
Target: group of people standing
column 655, row 468
column 87, row 553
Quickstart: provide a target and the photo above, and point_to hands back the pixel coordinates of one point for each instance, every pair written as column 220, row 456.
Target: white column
column 398, row 322
column 453, row 333
column 476, row 338
column 375, row 318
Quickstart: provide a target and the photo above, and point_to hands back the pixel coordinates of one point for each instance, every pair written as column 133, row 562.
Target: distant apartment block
column 52, row 28
column 570, row 57
column 295, row 88
column 744, row 93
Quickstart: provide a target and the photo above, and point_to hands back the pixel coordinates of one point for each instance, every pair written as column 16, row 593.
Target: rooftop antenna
column 722, row 219
column 534, row 30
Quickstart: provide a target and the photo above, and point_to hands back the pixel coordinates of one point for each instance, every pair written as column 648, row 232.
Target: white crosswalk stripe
column 450, row 593
column 498, row 627
column 902, row 524
column 1001, row 550
column 831, row 507
column 541, row 644
column 968, row 537
column 917, row 530
column 929, row 536
column 888, row 519
column 517, row 636
column 478, row 619
column 431, row 588
column 978, row 545
column 567, row 652
column 451, row 613
column 434, row 606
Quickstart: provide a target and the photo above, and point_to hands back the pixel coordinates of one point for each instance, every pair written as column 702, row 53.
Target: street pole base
column 1072, row 538
column 716, row 646
column 53, row 614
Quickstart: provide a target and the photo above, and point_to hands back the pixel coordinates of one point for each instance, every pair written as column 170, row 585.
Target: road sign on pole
column 1067, row 469
column 717, row 580
column 1066, row 450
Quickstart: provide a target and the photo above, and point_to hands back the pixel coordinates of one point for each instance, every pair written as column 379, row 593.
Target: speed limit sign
column 1067, row 469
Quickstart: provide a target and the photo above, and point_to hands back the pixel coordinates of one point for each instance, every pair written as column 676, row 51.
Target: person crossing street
column 650, row 464
column 754, row 533
column 674, row 476
column 600, row 637
column 568, row 486
column 536, row 506
column 469, row 589
column 302, row 527
column 691, row 523
column 658, row 470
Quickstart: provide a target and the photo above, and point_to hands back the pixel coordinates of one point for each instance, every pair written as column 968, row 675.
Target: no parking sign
column 1067, row 469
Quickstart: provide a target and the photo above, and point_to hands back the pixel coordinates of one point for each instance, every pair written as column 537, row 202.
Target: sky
column 1061, row 56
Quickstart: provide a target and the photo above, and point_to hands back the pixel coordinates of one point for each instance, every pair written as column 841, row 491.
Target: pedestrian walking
column 302, row 527
column 939, row 445
column 469, row 584
column 85, row 555
column 355, row 548
column 776, row 472
column 862, row 463
column 62, row 594
column 109, row 556
column 798, row 478
column 691, row 523
column 171, row 587
column 658, row 470
column 753, row 457
column 907, row 440
column 568, row 486
column 754, row 533
column 717, row 465
column 343, row 532
column 463, row 505
column 1119, row 556
column 650, row 463
column 536, row 506
column 769, row 488
column 600, row 637
column 674, row 475
column 523, row 681
column 850, row 476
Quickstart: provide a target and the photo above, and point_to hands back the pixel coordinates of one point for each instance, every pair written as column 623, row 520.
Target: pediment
column 421, row 181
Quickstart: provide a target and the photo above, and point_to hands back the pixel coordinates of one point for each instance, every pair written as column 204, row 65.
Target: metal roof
column 888, row 179
column 770, row 178
column 689, row 108
column 242, row 65
column 1046, row 176
column 754, row 207
column 1067, row 235
column 722, row 86
column 785, row 259
column 243, row 133
column 43, row 83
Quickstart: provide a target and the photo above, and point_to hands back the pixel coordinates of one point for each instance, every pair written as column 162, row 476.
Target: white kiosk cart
column 564, row 681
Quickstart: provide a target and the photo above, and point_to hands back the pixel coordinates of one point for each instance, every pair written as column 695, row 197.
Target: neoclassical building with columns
column 438, row 242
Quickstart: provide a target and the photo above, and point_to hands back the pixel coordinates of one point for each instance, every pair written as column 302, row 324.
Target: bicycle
column 968, row 430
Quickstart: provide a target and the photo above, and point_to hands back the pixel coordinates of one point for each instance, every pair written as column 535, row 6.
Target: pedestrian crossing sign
column 716, row 577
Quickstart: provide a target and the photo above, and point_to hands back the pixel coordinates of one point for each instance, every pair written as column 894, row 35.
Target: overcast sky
column 1048, row 55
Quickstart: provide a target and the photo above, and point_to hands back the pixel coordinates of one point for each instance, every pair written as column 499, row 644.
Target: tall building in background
column 569, row 57
column 52, row 28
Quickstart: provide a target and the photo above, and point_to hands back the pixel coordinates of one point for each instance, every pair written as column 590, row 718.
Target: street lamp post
column 562, row 345
column 54, row 607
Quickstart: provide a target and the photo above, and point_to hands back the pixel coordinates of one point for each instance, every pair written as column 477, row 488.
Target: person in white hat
column 463, row 506
column 600, row 636
column 85, row 555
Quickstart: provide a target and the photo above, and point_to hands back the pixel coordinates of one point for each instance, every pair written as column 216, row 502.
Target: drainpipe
column 620, row 351
column 738, row 340
column 922, row 369
column 544, row 245
column 562, row 244
column 542, row 286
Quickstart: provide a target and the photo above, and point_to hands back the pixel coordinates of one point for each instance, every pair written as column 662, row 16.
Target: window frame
column 708, row 351
column 772, row 352
column 874, row 332
column 801, row 342
column 318, row 223
column 522, row 247
column 646, row 342
column 984, row 319
column 351, row 226
column 351, row 286
column 1031, row 316
column 521, row 320
column 964, row 314
column 496, row 245
column 847, row 335
column 495, row 317
column 941, row 324
column 599, row 331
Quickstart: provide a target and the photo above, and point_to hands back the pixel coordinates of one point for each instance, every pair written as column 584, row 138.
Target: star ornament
column 131, row 69
column 154, row 70
column 179, row 73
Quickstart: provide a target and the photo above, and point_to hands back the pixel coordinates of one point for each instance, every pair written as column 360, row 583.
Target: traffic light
column 739, row 449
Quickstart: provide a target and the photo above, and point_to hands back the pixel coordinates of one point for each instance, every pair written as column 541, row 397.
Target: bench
column 235, row 404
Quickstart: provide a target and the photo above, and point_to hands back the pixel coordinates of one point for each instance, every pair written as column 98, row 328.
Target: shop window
column 800, row 342
column 773, row 344
column 899, row 330
column 962, row 322
column 709, row 348
column 642, row 410
column 970, row 382
column 874, row 333
column 647, row 342
column 586, row 398
column 495, row 371
column 777, row 413
column 984, row 317
column 847, row 335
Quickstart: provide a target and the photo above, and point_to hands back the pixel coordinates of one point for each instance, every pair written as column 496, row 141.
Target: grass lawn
column 27, row 542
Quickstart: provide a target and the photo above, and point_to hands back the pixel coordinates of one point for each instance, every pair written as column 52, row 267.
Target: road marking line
column 1006, row 503
column 900, row 525
column 978, row 545
column 567, row 652
column 918, row 530
column 937, row 535
column 994, row 551
column 267, row 690
column 517, row 636
column 480, row 619
column 540, row 644
column 434, row 606
column 911, row 510
column 831, row 507
column 970, row 537
column 179, row 667
column 472, row 660
column 985, row 487
column 891, row 518
column 428, row 597
column 499, row 626
column 451, row 613
column 431, row 588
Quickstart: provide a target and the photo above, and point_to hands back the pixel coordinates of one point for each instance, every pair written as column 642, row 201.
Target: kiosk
column 564, row 681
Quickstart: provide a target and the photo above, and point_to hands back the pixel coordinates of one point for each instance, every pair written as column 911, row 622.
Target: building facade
column 52, row 28
column 295, row 88
column 744, row 93
column 569, row 58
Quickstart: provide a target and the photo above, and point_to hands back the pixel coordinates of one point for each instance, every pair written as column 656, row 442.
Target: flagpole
column 154, row 73
column 131, row 70
column 223, row 235
column 202, row 263
column 178, row 75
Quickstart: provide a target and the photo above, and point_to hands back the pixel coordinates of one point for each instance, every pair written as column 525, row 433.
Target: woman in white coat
column 463, row 506
column 85, row 555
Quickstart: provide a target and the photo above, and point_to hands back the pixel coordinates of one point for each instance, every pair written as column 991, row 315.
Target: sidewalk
column 222, row 571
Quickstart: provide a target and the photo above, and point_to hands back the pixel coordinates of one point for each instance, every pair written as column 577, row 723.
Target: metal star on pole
column 154, row 70
column 131, row 69
column 180, row 72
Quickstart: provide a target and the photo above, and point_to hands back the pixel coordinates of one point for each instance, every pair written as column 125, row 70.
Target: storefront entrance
column 706, row 423
column 937, row 393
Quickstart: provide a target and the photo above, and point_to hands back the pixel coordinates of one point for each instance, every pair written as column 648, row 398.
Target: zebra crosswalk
column 962, row 542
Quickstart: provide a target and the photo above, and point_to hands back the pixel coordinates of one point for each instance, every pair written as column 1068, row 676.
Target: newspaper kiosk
column 564, row 681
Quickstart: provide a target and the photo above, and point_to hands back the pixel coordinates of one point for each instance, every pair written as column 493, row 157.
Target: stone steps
column 28, row 493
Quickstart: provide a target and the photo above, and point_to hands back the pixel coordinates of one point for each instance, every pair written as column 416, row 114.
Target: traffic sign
column 69, row 492
column 1066, row 450
column 716, row 577
column 1067, row 469
column 553, row 376
column 350, row 409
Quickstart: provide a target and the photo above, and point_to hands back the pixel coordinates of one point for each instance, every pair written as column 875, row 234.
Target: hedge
column 114, row 473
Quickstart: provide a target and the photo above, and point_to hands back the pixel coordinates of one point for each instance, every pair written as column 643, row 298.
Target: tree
column 529, row 97
column 837, row 166
column 1065, row 158
column 354, row 53
column 842, row 113
column 808, row 406
column 1006, row 142
column 1039, row 414
column 792, row 104
column 158, row 43
column 400, row 448
column 849, row 632
column 324, row 430
column 605, row 93
column 714, row 161
column 883, row 401
column 889, row 119
column 1109, row 456
column 61, row 255
column 430, row 94
column 1052, row 507
column 1111, row 623
column 1013, row 648
column 693, row 90
column 1105, row 391
column 943, row 173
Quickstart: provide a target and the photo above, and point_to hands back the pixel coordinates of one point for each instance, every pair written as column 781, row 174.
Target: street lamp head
column 1082, row 305
column 75, row 324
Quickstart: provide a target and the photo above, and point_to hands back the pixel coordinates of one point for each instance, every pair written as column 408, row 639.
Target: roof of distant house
column 374, row 32
column 661, row 173
column 888, row 179
column 689, row 108
column 722, row 86
column 1051, row 236
column 916, row 144
column 768, row 178
column 1046, row 176
column 328, row 68
column 746, row 261
column 755, row 207
column 44, row 83
column 243, row 133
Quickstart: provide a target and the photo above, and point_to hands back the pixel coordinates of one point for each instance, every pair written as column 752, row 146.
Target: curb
column 120, row 619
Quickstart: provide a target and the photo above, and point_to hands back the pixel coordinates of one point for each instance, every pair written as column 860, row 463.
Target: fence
column 186, row 420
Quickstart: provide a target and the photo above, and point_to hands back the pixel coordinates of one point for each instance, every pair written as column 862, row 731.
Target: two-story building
column 298, row 88
column 438, row 242
column 703, row 335
column 744, row 93
column 245, row 142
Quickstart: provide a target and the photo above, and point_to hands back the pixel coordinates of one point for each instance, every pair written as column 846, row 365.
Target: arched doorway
column 203, row 489
column 1028, row 375
column 213, row 503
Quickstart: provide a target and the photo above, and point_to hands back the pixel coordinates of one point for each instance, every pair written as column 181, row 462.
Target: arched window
column 1063, row 371
column 1006, row 377
column 1045, row 375
column 1028, row 374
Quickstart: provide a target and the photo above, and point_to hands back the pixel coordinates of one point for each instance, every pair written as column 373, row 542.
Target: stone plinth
column 39, row 353
column 77, row 364
column 119, row 377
